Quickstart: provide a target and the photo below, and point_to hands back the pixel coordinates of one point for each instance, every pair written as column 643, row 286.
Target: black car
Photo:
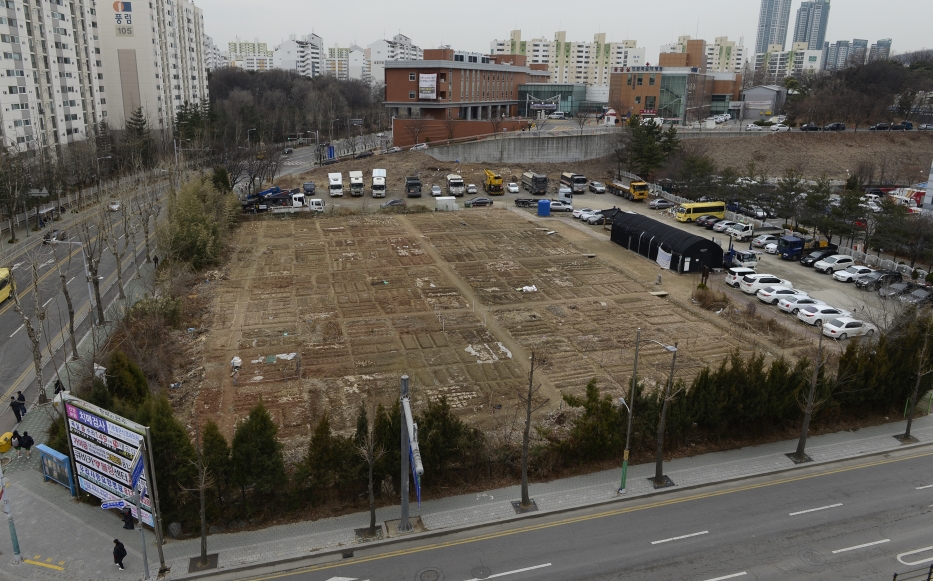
column 837, row 126
column 287, row 151
column 701, row 221
column 879, row 127
column 361, row 155
column 55, row 234
column 393, row 202
column 812, row 258
column 329, row 161
column 878, row 279
column 712, row 222
column 810, row 127
column 896, row 289
column 477, row 202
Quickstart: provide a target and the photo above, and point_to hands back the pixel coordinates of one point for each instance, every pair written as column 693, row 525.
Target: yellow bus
column 6, row 284
column 693, row 210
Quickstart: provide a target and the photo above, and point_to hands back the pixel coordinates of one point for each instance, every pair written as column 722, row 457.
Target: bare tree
column 450, row 124
column 924, row 368
column 800, row 456
column 205, row 481
column 32, row 323
column 93, row 252
column 415, row 126
column 63, row 278
column 582, row 118
column 371, row 454
column 530, row 407
column 496, row 123
column 107, row 230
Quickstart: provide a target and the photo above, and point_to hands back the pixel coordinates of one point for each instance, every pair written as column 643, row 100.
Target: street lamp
column 332, row 128
column 247, row 136
column 98, row 174
column 631, row 405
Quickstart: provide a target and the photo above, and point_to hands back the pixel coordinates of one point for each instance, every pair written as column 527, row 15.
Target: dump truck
column 379, row 183
column 335, row 184
column 792, row 248
column 455, row 185
column 356, row 183
column 634, row 191
column 413, row 186
column 534, row 183
column 492, row 183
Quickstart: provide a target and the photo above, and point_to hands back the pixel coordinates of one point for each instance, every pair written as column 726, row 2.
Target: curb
column 272, row 566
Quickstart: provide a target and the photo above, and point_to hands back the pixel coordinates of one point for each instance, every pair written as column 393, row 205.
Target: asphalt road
column 863, row 519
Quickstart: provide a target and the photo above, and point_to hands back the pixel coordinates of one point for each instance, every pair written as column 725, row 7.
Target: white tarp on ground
column 664, row 259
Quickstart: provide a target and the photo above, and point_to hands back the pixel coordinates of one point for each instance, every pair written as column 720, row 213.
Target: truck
column 492, row 183
column 792, row 248
column 356, row 183
column 335, row 184
column 413, row 186
column 634, row 191
column 534, row 183
column 576, row 182
column 379, row 183
column 741, row 232
column 455, row 185
column 308, row 188
column 747, row 259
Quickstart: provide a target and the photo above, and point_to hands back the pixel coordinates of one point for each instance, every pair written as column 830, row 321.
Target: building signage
column 124, row 18
column 649, row 111
column 544, row 106
column 427, row 86
column 758, row 104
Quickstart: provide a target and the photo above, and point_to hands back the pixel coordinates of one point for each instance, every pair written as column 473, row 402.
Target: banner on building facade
column 427, row 86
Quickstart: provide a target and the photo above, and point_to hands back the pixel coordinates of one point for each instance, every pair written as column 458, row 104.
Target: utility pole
column 631, row 405
column 409, row 446
column 660, row 480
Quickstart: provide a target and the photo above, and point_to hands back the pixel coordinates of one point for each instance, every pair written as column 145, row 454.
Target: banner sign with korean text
column 427, row 86
column 104, row 447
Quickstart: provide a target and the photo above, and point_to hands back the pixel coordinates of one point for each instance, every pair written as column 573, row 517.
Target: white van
column 315, row 204
column 556, row 115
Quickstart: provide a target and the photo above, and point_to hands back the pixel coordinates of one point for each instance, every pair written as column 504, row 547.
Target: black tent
column 646, row 236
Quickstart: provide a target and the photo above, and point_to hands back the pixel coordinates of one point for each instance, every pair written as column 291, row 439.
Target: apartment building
column 400, row 48
column 347, row 63
column 568, row 62
column 880, row 51
column 780, row 64
column 812, row 20
column 726, row 56
column 213, row 57
column 773, row 19
column 238, row 49
column 303, row 55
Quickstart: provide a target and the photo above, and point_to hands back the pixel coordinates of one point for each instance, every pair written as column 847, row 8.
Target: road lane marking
column 816, row 509
column 860, row 546
column 924, row 487
column 729, row 576
column 17, row 329
column 699, row 533
column 920, row 561
column 47, row 302
column 69, row 281
column 16, row 266
column 585, row 518
column 51, row 566
column 513, row 572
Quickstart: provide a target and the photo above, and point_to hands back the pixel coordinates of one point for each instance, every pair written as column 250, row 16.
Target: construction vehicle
column 492, row 184
column 534, row 183
column 455, row 185
column 634, row 191
column 379, row 183
column 792, row 248
column 335, row 184
column 356, row 183
column 576, row 182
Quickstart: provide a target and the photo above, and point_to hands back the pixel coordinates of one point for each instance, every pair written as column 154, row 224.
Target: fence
column 878, row 262
column 924, row 573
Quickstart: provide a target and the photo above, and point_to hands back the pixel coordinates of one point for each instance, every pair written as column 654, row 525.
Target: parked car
column 793, row 303
column 471, row 189
column 601, row 217
column 287, row 151
column 734, row 275
column 586, row 215
column 833, row 263
column 902, row 126
column 763, row 240
column 750, row 284
column 393, row 150
column 477, row 202
column 361, row 155
column 701, row 221
column 771, row 248
column 851, row 273
column 879, row 127
column 393, row 202
column 896, row 289
column 513, row 188
column 816, row 256
column 419, row 147
column 722, row 225
column 758, row 212
column 114, row 206
column 558, row 206
column 55, row 234
column 780, row 127
column 917, row 296
column 660, row 204
column 878, row 279
column 817, row 314
column 753, row 127
column 597, row 187
column 436, row 191
column 925, row 127
column 771, row 295
column 712, row 222
column 845, row 327
column 837, row 126
column 810, row 127
column 579, row 211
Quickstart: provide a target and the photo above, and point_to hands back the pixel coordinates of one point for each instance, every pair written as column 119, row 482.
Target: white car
column 780, row 127
column 114, row 206
column 771, row 248
column 579, row 211
column 419, row 147
column 851, row 274
column 764, row 240
column 586, row 215
column 752, row 127
column 845, row 327
column 834, row 263
column 817, row 314
column 513, row 188
column 734, row 275
column 558, row 206
column 750, row 284
column 793, row 303
column 771, row 295
column 722, row 225
column 471, row 189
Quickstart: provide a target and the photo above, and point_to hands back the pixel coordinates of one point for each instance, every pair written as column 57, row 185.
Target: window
column 650, row 102
column 411, row 76
column 638, row 100
column 641, row 80
column 411, row 94
column 650, row 79
column 8, row 38
column 21, row 123
column 15, row 73
column 14, row 90
column 10, row 21
column 16, row 106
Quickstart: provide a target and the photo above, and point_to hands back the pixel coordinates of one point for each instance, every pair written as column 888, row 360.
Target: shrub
column 915, row 274
column 929, row 278
column 125, row 381
column 201, row 218
column 710, row 299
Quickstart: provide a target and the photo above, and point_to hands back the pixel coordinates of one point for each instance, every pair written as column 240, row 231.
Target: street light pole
column 98, row 174
column 247, row 136
column 631, row 407
column 659, row 479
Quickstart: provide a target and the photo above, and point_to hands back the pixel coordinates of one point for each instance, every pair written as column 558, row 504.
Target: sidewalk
column 56, row 531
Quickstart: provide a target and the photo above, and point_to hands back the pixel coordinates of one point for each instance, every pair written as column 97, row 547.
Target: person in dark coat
column 127, row 519
column 59, row 387
column 22, row 402
column 119, row 552
column 17, row 409
column 26, row 442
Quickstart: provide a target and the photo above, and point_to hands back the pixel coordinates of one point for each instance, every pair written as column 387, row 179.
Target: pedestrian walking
column 16, row 409
column 17, row 442
column 119, row 552
column 127, row 519
column 22, row 401
column 155, row 260
column 26, row 442
column 59, row 387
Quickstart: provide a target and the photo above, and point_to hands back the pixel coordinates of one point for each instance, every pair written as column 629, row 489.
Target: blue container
column 544, row 207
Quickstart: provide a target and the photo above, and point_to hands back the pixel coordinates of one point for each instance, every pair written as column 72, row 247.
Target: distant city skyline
column 652, row 25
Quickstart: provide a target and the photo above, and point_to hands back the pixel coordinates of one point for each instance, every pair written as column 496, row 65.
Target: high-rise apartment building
column 858, row 52
column 238, row 49
column 781, row 64
column 399, row 48
column 726, row 56
column 812, row 19
column 588, row 63
column 303, row 55
column 213, row 57
column 347, row 63
column 843, row 53
column 836, row 55
column 772, row 24
column 880, row 51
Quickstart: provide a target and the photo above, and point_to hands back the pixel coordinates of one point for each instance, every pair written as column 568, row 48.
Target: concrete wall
column 564, row 148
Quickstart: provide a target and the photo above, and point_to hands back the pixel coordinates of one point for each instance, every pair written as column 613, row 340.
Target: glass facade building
column 571, row 96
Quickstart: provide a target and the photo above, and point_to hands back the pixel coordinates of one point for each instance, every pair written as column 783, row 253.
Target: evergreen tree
column 137, row 141
column 387, row 427
column 125, row 380
column 597, row 433
column 216, row 454
column 256, row 458
column 442, row 436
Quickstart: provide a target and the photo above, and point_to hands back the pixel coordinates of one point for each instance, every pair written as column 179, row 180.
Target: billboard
column 427, row 86
column 104, row 446
column 544, row 106
column 759, row 104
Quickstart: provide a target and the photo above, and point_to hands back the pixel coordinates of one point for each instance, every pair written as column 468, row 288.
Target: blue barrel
column 544, row 207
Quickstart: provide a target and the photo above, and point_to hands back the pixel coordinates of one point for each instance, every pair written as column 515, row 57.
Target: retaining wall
column 544, row 149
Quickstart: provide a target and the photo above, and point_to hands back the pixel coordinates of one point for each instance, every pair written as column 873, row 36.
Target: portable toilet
column 544, row 207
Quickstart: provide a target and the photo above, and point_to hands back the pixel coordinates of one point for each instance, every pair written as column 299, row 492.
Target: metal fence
column 877, row 262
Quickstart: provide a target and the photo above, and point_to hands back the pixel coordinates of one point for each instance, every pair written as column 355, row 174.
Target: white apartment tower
column 781, row 64
column 726, row 56
column 587, row 63
column 213, row 58
column 399, row 48
column 347, row 63
column 303, row 55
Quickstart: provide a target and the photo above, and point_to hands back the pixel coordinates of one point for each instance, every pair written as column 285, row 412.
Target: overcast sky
column 471, row 25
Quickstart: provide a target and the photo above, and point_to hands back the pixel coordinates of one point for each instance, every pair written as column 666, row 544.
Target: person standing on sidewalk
column 26, row 442
column 128, row 519
column 17, row 443
column 17, row 410
column 119, row 552
column 22, row 402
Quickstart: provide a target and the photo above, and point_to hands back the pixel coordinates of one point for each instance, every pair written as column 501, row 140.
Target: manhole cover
column 430, row 574
column 811, row 557
column 480, row 572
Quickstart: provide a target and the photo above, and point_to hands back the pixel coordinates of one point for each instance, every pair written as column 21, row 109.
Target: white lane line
column 47, row 302
column 920, row 561
column 729, row 576
column 925, row 487
column 17, row 329
column 70, row 280
column 860, row 546
column 816, row 509
column 513, row 572
column 699, row 533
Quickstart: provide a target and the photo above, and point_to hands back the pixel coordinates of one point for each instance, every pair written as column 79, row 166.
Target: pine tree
column 137, row 140
column 125, row 380
column 256, row 457
column 217, row 456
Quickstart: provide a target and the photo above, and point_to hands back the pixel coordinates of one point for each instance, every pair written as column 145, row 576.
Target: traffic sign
column 113, row 504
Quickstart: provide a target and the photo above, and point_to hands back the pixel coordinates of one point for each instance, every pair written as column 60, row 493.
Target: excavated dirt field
column 346, row 305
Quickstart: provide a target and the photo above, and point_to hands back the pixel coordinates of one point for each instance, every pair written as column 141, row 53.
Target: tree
column 924, row 368
column 93, row 254
column 371, row 452
column 811, row 404
column 138, row 146
column 659, row 480
column 597, row 432
column 201, row 218
column 63, row 279
column 256, row 457
column 442, row 436
column 414, row 127
column 530, row 407
column 216, row 453
column 329, row 458
column 125, row 380
column 204, row 481
column 33, row 329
